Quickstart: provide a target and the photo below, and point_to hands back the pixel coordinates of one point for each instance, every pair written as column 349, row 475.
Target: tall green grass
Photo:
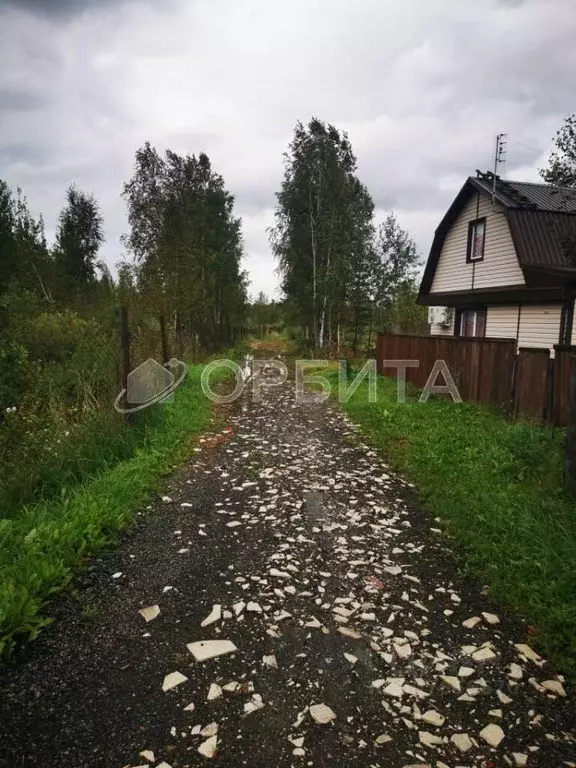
column 497, row 484
column 42, row 545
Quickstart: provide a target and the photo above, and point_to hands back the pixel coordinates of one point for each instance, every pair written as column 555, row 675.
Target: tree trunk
column 370, row 330
column 313, row 244
column 323, row 317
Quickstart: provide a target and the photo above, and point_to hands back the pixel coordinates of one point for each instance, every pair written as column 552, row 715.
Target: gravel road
column 345, row 635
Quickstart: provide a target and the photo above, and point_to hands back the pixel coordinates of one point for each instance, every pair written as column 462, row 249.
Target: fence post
column 125, row 350
column 570, row 449
column 164, row 339
column 125, row 344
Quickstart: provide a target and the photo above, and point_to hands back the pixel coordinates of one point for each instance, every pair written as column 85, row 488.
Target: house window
column 471, row 322
column 476, row 237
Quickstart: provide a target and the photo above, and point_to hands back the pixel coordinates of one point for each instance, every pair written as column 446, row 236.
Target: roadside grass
column 43, row 545
column 497, row 486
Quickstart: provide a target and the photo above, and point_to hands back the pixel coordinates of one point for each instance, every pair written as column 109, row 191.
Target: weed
column 90, row 612
column 42, row 545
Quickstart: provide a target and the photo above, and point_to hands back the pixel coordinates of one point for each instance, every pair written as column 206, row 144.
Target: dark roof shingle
column 544, row 239
column 526, row 194
column 542, row 220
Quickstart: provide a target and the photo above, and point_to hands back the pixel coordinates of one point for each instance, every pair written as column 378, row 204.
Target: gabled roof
column 529, row 196
column 542, row 221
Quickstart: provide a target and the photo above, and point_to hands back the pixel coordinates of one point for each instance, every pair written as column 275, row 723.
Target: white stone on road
column 492, row 734
column 202, row 650
column 214, row 616
column 321, row 713
column 150, row 613
column 173, row 680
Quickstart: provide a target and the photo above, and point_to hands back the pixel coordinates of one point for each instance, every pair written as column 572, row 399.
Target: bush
column 59, row 373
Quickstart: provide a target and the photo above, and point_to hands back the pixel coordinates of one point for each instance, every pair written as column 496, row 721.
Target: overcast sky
column 421, row 87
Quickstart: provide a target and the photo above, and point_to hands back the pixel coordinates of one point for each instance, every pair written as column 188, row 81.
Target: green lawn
column 497, row 485
column 42, row 545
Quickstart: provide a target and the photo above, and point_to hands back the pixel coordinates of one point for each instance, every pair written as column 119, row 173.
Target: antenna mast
column 499, row 159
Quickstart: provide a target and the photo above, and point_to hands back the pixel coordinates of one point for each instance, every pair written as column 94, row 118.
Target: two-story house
column 503, row 263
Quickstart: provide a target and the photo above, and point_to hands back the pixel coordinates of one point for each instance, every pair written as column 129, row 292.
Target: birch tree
column 187, row 244
column 562, row 161
column 322, row 227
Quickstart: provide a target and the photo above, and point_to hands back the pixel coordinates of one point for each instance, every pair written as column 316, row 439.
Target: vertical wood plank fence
column 529, row 383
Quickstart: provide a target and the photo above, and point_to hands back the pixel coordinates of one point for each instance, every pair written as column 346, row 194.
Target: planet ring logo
column 151, row 383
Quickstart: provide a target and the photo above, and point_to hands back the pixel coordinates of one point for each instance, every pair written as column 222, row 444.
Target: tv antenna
column 499, row 158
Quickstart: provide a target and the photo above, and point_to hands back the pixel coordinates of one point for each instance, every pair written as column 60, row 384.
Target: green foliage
column 265, row 312
column 401, row 313
column 188, row 246
column 43, row 545
column 25, row 263
column 62, row 386
column 497, row 485
column 71, row 469
column 341, row 277
column 562, row 161
column 14, row 369
column 323, row 222
column 78, row 239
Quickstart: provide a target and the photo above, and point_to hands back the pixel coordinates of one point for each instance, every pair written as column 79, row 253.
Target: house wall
column 539, row 325
column 500, row 265
column 502, row 322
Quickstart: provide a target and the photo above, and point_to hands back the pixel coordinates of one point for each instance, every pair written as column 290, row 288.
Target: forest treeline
column 59, row 313
column 342, row 278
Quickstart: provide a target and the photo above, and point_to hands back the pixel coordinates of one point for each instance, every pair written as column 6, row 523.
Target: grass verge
column 44, row 544
column 497, row 485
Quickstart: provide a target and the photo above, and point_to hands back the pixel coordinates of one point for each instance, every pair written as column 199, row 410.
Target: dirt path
column 335, row 589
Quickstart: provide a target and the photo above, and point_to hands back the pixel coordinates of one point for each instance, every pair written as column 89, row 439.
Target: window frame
column 471, row 227
column 460, row 316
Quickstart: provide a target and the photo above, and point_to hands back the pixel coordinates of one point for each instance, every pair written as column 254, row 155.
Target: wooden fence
column 529, row 383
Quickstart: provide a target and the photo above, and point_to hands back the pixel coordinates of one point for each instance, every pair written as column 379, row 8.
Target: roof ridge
column 542, row 184
column 489, row 176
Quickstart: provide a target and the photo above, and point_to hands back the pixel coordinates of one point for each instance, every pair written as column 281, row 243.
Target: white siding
column 502, row 322
column 539, row 325
column 500, row 265
column 574, row 327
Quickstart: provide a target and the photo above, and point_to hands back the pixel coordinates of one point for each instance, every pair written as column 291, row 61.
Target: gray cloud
column 58, row 8
column 422, row 90
column 15, row 100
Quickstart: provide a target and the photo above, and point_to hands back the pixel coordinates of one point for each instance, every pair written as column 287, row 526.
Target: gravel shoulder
column 353, row 641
